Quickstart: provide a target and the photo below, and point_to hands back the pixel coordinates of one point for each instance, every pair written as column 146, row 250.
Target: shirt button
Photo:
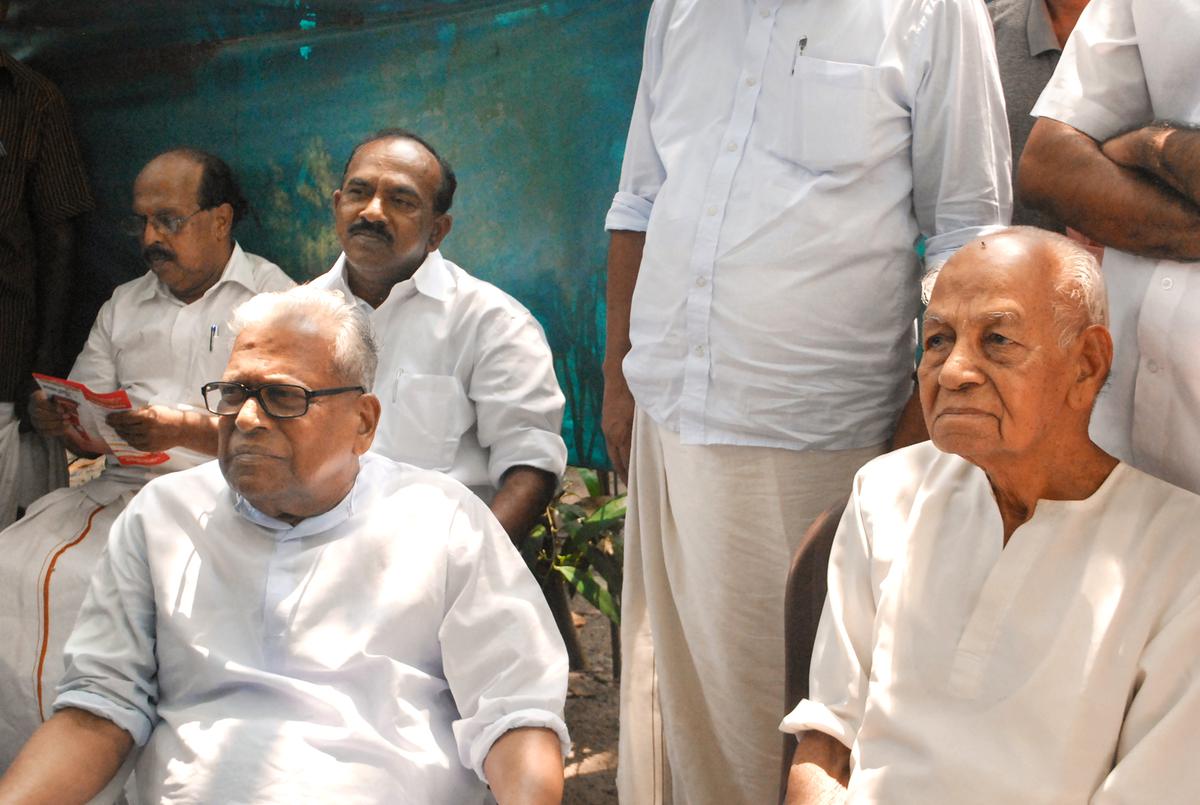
column 1152, row 366
column 701, row 282
column 731, row 147
column 699, row 350
column 712, row 210
column 1167, row 283
column 751, row 81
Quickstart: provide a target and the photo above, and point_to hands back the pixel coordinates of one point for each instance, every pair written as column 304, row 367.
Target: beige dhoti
column 708, row 542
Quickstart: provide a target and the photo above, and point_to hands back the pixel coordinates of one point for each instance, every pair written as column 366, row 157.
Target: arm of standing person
column 624, row 259
column 820, row 771
column 69, row 759
column 1069, row 175
column 524, row 767
column 1169, row 154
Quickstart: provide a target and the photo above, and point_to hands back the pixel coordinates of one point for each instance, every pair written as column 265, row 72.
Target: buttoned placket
column 1154, row 387
column 708, row 231
column 283, row 579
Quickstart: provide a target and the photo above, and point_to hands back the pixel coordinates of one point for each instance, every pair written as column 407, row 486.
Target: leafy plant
column 583, row 544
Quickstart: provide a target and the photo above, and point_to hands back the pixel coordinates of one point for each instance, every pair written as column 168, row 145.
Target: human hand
column 1138, row 148
column 616, row 422
column 150, row 429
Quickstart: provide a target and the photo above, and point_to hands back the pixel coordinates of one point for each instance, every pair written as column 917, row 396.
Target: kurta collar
column 433, row 278
column 237, row 269
column 1039, row 29
column 282, row 531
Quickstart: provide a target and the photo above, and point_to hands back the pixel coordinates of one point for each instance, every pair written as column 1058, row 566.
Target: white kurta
column 1058, row 669
column 1127, row 64
column 162, row 351
column 465, row 377
column 373, row 653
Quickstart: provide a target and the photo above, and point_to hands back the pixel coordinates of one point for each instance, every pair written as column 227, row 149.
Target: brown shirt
column 42, row 183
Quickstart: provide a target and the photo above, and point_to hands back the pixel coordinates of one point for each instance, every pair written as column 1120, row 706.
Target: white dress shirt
column 1128, row 63
column 161, row 350
column 373, row 653
column 784, row 159
column 465, row 377
column 1060, row 668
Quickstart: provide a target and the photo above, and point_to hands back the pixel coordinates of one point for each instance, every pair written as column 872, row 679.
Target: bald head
column 1078, row 296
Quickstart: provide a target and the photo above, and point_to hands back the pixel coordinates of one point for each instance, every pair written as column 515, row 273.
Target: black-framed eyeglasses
column 278, row 400
column 135, row 225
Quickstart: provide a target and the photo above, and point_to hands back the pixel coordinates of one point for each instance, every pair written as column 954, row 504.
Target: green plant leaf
column 591, row 590
column 611, row 512
column 591, row 480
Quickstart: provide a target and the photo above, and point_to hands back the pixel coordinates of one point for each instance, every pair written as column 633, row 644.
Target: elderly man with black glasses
column 158, row 338
column 304, row 621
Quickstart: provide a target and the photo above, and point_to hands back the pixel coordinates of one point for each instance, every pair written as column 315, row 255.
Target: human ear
column 1094, row 355
column 441, row 228
column 368, row 410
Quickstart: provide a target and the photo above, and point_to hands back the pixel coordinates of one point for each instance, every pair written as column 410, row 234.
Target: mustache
column 156, row 251
column 377, row 228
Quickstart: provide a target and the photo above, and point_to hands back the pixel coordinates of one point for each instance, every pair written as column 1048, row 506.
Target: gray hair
column 1080, row 298
column 355, row 355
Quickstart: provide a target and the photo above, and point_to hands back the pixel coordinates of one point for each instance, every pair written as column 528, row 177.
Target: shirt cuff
column 810, row 715
column 540, row 449
column 1083, row 114
column 130, row 720
column 628, row 213
column 519, row 718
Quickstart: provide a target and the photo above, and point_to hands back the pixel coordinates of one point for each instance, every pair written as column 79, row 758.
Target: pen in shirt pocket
column 801, row 44
column 212, row 335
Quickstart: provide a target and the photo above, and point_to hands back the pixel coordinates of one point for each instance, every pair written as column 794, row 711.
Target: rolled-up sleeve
column 1099, row 86
column 518, row 402
column 962, row 159
column 502, row 655
column 841, row 659
column 111, row 669
column 642, row 171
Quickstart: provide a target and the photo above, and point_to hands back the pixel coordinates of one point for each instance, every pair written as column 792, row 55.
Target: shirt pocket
column 831, row 110
column 430, row 415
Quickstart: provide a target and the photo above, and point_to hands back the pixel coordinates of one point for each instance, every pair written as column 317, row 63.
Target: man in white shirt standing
column 302, row 621
column 466, row 377
column 783, row 161
column 1115, row 155
column 1012, row 613
column 159, row 338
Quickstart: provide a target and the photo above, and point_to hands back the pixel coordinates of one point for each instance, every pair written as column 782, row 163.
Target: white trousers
column 708, row 541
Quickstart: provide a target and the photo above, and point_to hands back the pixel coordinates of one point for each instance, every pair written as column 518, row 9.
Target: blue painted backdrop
column 530, row 101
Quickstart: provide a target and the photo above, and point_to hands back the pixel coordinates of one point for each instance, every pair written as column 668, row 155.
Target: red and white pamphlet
column 86, row 413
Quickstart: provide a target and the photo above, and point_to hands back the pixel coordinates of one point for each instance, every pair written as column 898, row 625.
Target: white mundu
column 1060, row 668
column 161, row 351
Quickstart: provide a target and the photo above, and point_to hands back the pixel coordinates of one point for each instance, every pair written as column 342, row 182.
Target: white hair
column 319, row 311
column 1080, row 299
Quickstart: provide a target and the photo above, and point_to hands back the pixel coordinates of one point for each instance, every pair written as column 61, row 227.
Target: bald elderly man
column 159, row 337
column 304, row 621
column 1013, row 614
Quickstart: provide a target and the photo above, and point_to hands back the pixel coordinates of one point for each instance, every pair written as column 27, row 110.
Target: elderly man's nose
column 250, row 415
column 960, row 369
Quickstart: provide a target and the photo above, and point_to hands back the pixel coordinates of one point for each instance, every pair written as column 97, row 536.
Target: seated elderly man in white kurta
column 1013, row 615
column 303, row 621
column 159, row 337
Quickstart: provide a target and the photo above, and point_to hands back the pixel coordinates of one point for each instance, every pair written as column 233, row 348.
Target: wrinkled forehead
column 285, row 351
column 998, row 273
